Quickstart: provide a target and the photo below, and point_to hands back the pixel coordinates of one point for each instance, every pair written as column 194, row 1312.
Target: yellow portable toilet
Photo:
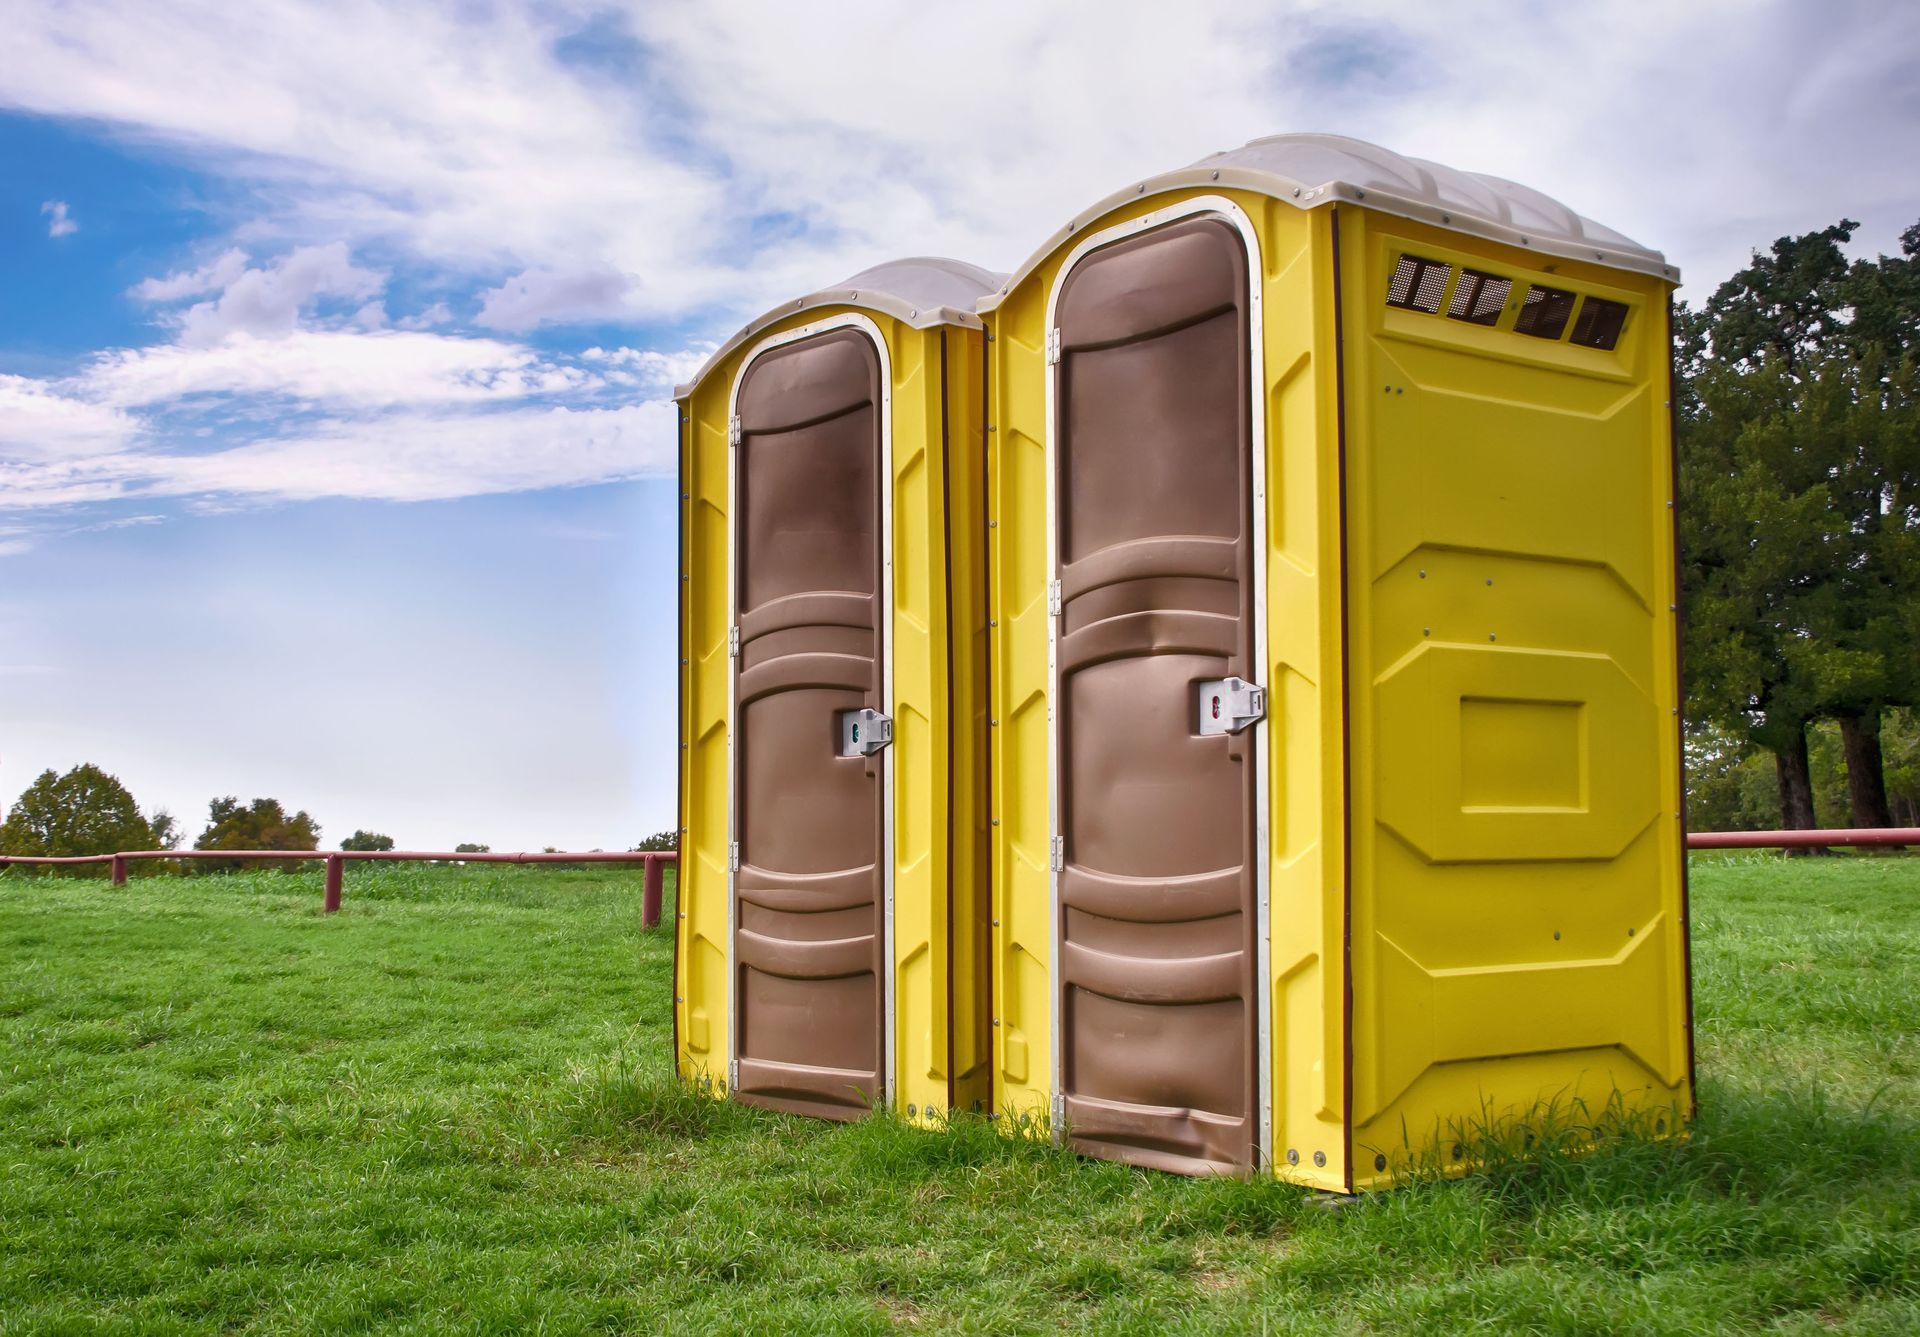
column 1335, row 746
column 831, row 942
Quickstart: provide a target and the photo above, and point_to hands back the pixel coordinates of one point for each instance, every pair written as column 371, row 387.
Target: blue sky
column 335, row 339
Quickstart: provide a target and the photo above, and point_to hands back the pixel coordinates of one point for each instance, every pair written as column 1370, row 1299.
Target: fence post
column 650, row 902
column 119, row 867
column 336, row 867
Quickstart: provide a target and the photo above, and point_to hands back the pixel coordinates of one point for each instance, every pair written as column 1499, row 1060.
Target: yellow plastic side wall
column 1306, row 792
column 924, row 755
column 700, row 944
column 1304, row 731
column 1517, row 926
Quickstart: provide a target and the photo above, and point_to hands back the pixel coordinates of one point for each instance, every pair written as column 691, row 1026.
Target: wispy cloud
column 416, row 456
column 265, row 301
column 59, row 222
column 38, row 420
column 272, row 389
column 339, row 369
column 592, row 160
column 688, row 164
column 537, row 296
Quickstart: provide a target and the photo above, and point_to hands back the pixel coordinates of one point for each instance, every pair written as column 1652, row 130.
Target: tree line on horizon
column 87, row 811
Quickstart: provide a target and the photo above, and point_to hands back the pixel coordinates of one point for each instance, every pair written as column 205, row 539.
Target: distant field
column 446, row 1109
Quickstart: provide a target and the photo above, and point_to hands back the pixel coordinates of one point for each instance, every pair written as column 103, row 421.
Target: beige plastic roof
column 922, row 290
column 1313, row 170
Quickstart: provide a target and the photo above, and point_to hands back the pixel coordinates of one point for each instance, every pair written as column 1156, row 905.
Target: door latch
column 864, row 732
column 1228, row 705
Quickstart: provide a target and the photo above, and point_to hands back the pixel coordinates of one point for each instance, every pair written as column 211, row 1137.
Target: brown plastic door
column 1156, row 880
column 809, row 889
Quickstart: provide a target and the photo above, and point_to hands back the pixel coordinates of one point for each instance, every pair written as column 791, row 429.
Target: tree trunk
column 1796, row 786
column 1796, row 783
column 1866, row 778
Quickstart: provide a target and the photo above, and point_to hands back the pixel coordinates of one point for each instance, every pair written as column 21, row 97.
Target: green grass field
column 447, row 1109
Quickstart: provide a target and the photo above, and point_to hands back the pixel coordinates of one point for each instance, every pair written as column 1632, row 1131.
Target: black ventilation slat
column 1599, row 323
column 1479, row 298
column 1418, row 284
column 1544, row 312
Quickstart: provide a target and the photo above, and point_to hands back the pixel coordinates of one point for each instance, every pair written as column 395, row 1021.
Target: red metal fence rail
column 656, row 862
column 1802, row 840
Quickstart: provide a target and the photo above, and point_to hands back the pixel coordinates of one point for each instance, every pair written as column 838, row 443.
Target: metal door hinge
column 733, row 641
column 864, row 732
column 1058, row 858
column 733, row 1074
column 1228, row 705
column 1059, row 1113
column 1053, row 345
column 1054, row 602
column 733, row 857
column 733, row 431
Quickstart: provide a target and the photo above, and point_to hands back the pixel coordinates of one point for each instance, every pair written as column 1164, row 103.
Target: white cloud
column 542, row 296
column 268, row 301
column 343, row 369
column 437, row 314
column 730, row 155
column 59, row 223
column 119, row 522
column 407, row 456
column 705, row 161
column 647, row 366
column 213, row 276
column 430, row 457
column 38, row 421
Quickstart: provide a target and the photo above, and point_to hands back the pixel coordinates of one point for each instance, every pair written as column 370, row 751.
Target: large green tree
column 85, row 811
column 260, row 825
column 1798, row 528
column 1877, row 482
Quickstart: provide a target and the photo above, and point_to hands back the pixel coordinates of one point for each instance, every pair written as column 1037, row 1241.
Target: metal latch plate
column 864, row 732
column 1228, row 705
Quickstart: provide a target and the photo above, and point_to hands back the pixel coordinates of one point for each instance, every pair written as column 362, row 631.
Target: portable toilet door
column 1155, row 778
column 832, row 905
column 1336, row 771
